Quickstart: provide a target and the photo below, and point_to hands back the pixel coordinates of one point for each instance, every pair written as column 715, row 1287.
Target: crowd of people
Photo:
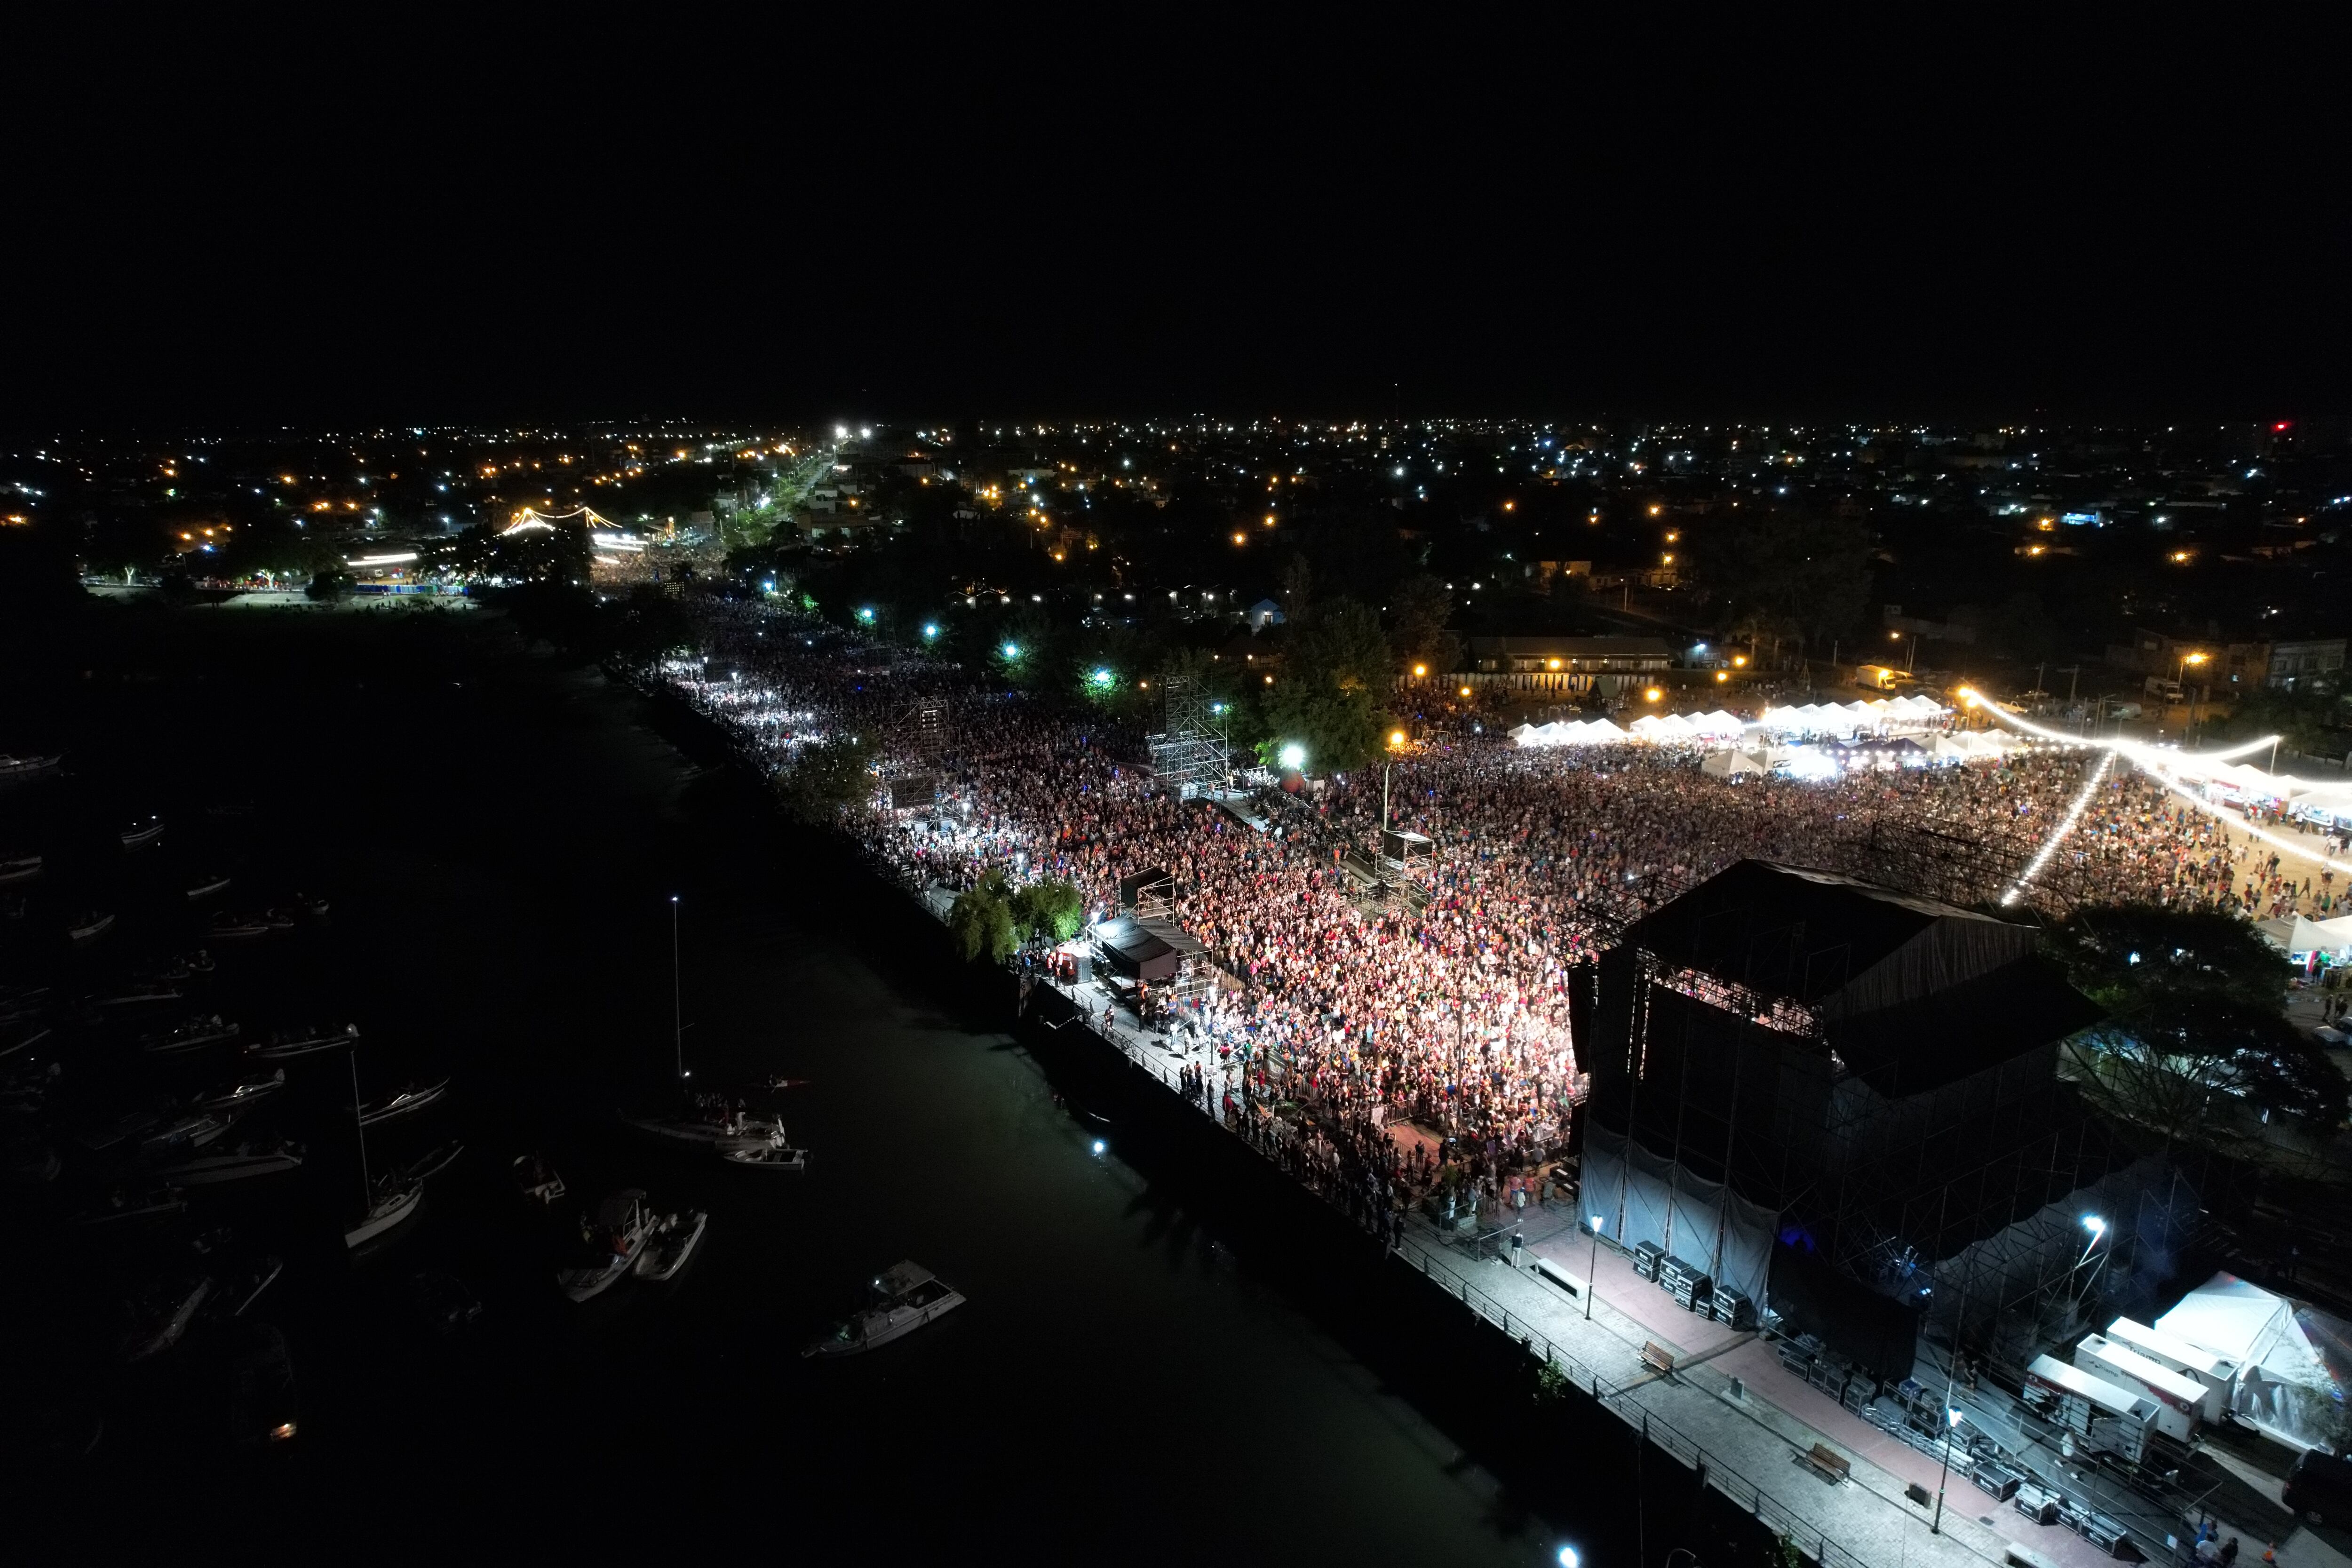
column 1354, row 1009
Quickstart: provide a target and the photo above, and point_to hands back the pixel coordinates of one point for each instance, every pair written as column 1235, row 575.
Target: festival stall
column 2285, row 1386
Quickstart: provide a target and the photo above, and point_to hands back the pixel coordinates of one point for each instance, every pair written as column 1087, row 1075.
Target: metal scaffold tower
column 924, row 739
column 1190, row 752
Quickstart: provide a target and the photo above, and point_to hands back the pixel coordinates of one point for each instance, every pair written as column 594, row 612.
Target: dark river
column 1136, row 1376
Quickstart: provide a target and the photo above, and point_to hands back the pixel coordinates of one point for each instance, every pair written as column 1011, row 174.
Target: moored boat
column 537, row 1180
column 672, row 1243
column 613, row 1239
column 303, row 1039
column 14, row 770
column 90, row 925
column 155, row 1322
column 902, row 1299
column 230, row 926
column 768, row 1157
column 141, row 833
column 194, row 1034
column 135, row 994
column 242, row 1093
column 401, row 1102
column 206, row 886
column 720, row 1129
column 243, row 1162
column 192, row 1129
column 391, row 1204
column 18, row 868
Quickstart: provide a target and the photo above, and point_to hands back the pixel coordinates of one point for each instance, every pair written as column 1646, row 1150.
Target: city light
column 1567, row 1557
column 929, row 632
column 2095, row 1225
column 1103, row 677
column 1294, row 757
column 1651, row 695
column 1419, row 670
column 866, row 616
column 1396, row 737
column 1012, row 650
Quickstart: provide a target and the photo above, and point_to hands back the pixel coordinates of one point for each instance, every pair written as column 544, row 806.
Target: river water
column 500, row 837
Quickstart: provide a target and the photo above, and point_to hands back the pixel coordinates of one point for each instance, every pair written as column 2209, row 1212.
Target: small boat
column 18, row 868
column 194, row 1034
column 155, row 1322
column 277, row 918
column 537, row 1180
column 240, row 1163
column 192, row 1129
column 393, row 1202
column 90, row 925
column 141, row 833
column 185, row 966
column 14, row 770
column 314, row 908
column 401, row 1102
column 127, row 1204
column 21, row 1002
column 135, row 994
column 615, row 1238
column 302, row 1040
column 431, row 1163
column 788, row 1083
column 206, row 886
column 720, row 1130
column 229, row 926
column 904, row 1298
column 769, row 1157
column 672, row 1243
column 242, row 1093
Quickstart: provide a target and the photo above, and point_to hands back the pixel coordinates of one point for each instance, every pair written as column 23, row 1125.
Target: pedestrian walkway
column 1727, row 1408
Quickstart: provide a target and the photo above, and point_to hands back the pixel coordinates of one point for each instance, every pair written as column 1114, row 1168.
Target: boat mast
column 367, row 1187
column 677, row 1028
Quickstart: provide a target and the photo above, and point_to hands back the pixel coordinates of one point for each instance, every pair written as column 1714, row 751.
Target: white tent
column 1520, row 733
column 1719, row 723
column 2304, row 934
column 2283, row 1386
column 1730, row 764
column 1649, row 726
column 1601, row 731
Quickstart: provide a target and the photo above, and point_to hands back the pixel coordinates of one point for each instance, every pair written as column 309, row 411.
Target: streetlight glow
column 1294, row 756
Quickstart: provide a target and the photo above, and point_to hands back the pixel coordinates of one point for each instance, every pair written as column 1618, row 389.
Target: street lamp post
column 677, row 1028
column 1593, row 1269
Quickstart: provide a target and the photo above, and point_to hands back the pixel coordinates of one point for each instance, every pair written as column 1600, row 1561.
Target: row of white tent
column 1841, row 718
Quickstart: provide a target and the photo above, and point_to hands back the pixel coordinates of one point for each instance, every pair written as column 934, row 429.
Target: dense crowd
column 1355, row 1008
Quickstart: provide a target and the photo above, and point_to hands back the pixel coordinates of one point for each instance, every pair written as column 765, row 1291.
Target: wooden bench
column 1656, row 1358
column 1829, row 1463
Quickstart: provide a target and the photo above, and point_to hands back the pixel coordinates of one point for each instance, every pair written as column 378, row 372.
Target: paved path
column 1729, row 1405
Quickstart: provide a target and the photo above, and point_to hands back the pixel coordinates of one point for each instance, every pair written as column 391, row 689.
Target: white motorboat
column 245, row 1287
column 242, row 1093
column 387, row 1208
column 401, row 1102
column 90, row 925
column 616, row 1238
column 230, row 926
column 240, row 1163
column 20, row 1037
column 303, row 1039
column 768, row 1157
column 18, row 868
column 192, row 1129
column 125, row 1203
column 722, row 1130
column 194, row 1034
column 141, row 833
column 672, row 1243
column 13, row 769
column 131, row 1124
column 206, row 886
column 904, row 1298
column 136, row 993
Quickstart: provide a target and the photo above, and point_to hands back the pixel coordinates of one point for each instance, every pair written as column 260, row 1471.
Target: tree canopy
column 1330, row 697
column 2194, row 1001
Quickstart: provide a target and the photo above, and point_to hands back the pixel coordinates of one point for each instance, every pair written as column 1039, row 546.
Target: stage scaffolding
column 1190, row 754
column 1946, row 1194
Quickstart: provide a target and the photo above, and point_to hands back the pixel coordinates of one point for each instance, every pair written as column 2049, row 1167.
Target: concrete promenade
column 1727, row 1408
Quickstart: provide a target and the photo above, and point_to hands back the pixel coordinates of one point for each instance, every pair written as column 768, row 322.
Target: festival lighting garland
column 2073, row 815
column 2155, row 761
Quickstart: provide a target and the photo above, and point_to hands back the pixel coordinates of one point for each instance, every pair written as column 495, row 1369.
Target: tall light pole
column 2180, row 679
column 1592, row 1270
column 677, row 1028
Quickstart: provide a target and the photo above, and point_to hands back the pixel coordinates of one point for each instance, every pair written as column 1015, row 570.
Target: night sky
column 1975, row 222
